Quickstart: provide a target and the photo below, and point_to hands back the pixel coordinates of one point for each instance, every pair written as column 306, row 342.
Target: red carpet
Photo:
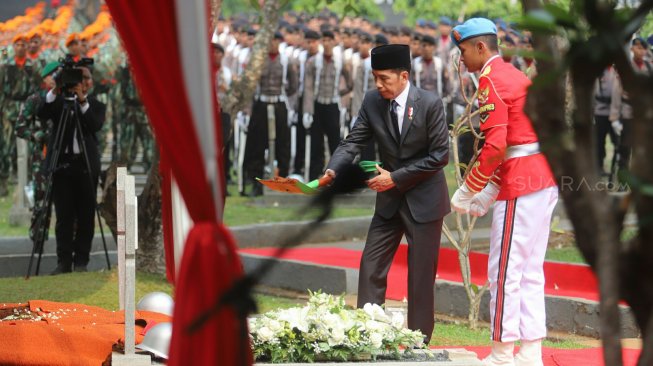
column 569, row 357
column 562, row 279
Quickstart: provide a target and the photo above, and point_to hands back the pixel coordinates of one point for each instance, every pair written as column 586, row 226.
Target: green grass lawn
column 5, row 207
column 244, row 211
column 100, row 289
column 569, row 254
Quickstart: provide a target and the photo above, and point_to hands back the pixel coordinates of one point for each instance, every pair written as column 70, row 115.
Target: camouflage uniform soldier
column 135, row 125
column 18, row 77
column 35, row 131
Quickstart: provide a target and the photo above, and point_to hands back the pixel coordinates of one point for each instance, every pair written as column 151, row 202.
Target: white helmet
column 159, row 302
column 157, row 340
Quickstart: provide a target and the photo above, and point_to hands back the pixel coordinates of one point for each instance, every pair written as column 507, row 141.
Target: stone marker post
column 130, row 262
column 127, row 243
column 120, row 227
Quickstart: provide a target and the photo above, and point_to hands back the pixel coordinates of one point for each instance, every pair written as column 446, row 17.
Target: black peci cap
column 391, row 56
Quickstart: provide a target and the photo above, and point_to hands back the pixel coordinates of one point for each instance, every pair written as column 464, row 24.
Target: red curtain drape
column 148, row 29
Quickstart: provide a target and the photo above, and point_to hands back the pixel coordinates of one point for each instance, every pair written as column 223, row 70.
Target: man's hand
column 381, row 182
column 77, row 89
column 462, row 199
column 307, row 120
column 617, row 127
column 482, row 201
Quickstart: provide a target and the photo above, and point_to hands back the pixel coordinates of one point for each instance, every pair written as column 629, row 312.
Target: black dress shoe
column 61, row 269
column 257, row 190
column 81, row 268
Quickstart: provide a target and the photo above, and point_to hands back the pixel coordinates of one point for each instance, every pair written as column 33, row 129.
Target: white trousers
column 520, row 233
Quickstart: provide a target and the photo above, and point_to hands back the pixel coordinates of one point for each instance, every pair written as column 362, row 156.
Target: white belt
column 520, row 151
column 271, row 98
column 332, row 100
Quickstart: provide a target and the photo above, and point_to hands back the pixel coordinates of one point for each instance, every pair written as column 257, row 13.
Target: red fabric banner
column 148, row 29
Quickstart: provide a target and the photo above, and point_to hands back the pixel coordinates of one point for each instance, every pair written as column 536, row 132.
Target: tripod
column 69, row 114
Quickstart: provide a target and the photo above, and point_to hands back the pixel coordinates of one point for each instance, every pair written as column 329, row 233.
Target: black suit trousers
column 383, row 239
column 74, row 203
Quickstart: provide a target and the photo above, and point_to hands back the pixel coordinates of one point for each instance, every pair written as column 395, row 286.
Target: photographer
column 73, row 193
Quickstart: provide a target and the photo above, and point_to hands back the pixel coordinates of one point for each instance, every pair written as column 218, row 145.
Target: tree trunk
column 596, row 215
column 242, row 91
column 150, row 254
column 215, row 14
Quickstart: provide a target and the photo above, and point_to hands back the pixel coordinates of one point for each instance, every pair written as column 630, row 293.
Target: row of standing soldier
column 312, row 86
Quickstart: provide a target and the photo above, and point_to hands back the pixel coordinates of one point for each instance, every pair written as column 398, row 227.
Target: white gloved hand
column 617, row 127
column 292, row 117
column 462, row 199
column 482, row 200
column 307, row 121
column 243, row 120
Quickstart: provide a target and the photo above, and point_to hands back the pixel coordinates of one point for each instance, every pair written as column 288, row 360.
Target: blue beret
column 639, row 41
column 473, row 27
column 445, row 20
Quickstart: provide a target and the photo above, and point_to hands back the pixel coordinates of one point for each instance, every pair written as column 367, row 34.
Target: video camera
column 69, row 73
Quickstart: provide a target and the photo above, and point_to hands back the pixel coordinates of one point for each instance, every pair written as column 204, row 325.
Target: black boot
column 61, row 268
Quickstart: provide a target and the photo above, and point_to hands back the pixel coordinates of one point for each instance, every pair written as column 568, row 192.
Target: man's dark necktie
column 393, row 118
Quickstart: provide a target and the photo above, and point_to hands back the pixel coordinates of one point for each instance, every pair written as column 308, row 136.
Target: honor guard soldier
column 327, row 79
column 135, row 126
column 511, row 170
column 278, row 81
column 363, row 82
column 602, row 98
column 311, row 47
column 621, row 112
column 19, row 77
column 428, row 70
column 36, row 132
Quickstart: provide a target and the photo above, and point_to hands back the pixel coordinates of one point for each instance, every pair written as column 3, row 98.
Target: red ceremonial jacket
column 501, row 97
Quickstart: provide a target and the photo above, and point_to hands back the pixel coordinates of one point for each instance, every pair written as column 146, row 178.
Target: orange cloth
column 69, row 334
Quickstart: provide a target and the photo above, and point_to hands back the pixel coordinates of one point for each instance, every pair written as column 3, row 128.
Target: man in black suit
column 409, row 127
column 74, row 193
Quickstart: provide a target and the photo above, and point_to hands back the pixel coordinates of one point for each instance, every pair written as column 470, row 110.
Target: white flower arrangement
column 326, row 329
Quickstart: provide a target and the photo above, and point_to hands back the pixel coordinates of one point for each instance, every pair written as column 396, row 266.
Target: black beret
column 328, row 34
column 391, row 56
column 417, row 36
column 278, row 35
column 365, row 37
column 311, row 34
column 509, row 40
column 405, row 31
column 428, row 39
column 380, row 39
column 251, row 32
